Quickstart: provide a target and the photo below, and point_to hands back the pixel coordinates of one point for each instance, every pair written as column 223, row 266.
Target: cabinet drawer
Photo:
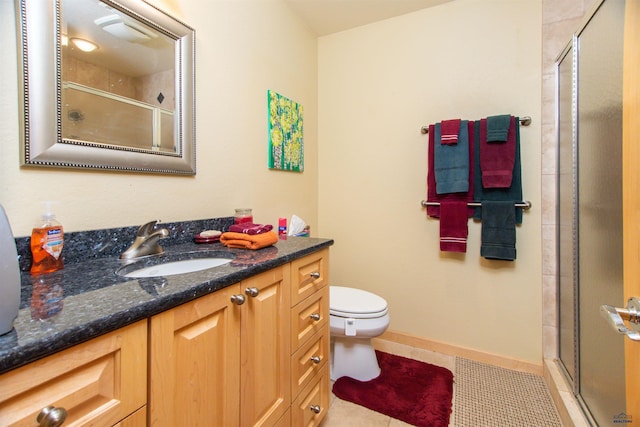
column 98, row 382
column 309, row 317
column 311, row 406
column 308, row 274
column 308, row 361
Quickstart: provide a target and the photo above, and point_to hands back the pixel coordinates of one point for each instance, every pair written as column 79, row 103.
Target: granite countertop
column 87, row 299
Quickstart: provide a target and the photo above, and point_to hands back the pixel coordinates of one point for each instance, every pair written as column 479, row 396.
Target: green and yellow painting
column 286, row 144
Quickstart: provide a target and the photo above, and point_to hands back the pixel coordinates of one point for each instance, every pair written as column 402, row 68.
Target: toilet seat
column 355, row 303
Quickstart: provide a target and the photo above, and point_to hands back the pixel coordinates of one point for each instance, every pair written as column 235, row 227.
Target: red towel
column 453, row 226
column 497, row 159
column 250, row 228
column 449, row 130
column 432, row 195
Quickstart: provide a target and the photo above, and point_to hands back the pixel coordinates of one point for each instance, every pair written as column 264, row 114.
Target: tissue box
column 304, row 232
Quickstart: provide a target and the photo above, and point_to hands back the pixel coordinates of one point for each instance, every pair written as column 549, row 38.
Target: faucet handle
column 147, row 228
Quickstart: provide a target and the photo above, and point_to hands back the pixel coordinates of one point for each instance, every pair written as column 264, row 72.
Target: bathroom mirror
column 106, row 84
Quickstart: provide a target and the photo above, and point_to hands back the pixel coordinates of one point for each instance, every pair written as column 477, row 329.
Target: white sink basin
column 177, row 267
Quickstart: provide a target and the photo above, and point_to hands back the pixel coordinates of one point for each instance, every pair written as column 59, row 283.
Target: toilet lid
column 356, row 303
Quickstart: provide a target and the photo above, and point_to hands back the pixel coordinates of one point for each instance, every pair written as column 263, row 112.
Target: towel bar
column 524, row 121
column 526, row 204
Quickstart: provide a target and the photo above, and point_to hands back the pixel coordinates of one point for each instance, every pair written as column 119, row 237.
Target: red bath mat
column 411, row 391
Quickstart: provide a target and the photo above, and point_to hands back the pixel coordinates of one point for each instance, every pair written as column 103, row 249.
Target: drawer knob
column 316, row 359
column 315, row 409
column 315, row 316
column 252, row 292
column 51, row 417
column 237, row 299
column 314, row 274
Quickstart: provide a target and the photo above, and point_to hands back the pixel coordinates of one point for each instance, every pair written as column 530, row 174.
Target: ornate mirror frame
column 42, row 143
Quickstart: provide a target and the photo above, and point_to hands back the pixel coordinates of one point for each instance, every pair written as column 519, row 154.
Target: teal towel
column 513, row 193
column 498, row 128
column 451, row 162
column 498, row 231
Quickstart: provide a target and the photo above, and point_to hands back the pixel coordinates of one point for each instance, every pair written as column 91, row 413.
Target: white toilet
column 355, row 316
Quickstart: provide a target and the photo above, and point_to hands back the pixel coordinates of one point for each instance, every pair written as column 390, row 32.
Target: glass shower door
column 590, row 256
column 601, row 353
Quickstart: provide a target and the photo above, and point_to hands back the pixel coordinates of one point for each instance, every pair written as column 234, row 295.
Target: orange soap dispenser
column 47, row 240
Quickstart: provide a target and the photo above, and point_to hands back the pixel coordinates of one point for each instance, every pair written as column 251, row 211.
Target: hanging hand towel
column 497, row 158
column 432, row 195
column 514, row 192
column 498, row 231
column 453, row 226
column 450, row 130
column 498, row 128
column 452, row 162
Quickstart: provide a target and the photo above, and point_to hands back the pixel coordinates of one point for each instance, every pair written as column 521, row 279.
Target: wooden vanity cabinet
column 223, row 359
column 102, row 382
column 255, row 353
column 310, row 339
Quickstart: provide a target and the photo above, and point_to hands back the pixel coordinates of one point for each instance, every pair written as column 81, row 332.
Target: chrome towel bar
column 524, row 121
column 526, row 204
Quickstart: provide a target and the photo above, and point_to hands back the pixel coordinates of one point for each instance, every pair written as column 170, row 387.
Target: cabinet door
column 137, row 419
column 97, row 383
column 194, row 357
column 265, row 377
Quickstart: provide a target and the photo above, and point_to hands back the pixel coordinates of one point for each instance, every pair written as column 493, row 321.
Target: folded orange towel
column 248, row 241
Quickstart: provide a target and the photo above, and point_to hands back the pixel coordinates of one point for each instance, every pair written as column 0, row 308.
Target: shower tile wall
column 142, row 88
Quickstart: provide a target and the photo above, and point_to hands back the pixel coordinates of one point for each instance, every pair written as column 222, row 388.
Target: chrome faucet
column 146, row 242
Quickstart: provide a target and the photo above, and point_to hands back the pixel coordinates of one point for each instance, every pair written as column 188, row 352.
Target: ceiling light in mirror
column 84, row 45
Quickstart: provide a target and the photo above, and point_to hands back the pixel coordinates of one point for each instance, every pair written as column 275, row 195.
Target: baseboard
column 453, row 350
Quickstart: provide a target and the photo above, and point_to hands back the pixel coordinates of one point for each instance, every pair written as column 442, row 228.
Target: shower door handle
column 617, row 317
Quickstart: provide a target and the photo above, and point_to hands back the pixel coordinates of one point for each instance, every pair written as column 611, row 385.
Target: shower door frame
column 569, row 52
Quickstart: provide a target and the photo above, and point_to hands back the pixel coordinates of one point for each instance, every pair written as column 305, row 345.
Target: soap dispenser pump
column 9, row 276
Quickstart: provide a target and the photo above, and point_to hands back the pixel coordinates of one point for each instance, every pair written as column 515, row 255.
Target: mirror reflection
column 117, row 79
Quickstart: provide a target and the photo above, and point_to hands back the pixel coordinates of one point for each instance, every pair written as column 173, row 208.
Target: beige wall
column 378, row 85
column 243, row 48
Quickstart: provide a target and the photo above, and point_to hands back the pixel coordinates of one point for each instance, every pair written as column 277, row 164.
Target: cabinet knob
column 252, row 292
column 315, row 409
column 315, row 316
column 316, row 359
column 51, row 417
column 314, row 274
column 237, row 299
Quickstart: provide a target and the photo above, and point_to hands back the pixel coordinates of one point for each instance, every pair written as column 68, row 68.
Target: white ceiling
column 330, row 16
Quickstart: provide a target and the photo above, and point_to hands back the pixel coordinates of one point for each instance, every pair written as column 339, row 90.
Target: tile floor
column 347, row 414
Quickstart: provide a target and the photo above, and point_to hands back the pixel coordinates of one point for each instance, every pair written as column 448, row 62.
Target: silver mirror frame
column 40, row 95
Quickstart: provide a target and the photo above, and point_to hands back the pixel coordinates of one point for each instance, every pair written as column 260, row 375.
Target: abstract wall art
column 286, row 143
